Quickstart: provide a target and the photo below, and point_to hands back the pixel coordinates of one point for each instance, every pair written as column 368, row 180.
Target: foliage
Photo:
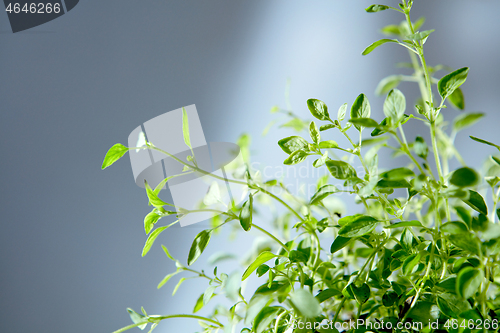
column 423, row 249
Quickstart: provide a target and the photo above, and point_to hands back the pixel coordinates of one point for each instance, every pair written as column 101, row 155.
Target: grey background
column 72, row 234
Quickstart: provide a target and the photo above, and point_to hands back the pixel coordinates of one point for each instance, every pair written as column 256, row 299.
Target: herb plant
column 421, row 256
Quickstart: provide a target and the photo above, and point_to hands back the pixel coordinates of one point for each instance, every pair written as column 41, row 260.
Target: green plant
column 423, row 251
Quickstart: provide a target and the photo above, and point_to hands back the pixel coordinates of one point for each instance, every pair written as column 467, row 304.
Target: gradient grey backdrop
column 72, row 234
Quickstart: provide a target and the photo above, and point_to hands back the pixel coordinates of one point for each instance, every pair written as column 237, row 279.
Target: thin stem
column 272, row 236
column 159, row 318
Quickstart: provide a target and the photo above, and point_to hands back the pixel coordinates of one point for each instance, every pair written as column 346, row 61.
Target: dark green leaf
column 464, row 177
column 476, row 202
column 410, row 262
column 358, row 227
column 199, row 244
column 340, row 169
column 246, row 214
column 466, row 242
column 292, row 144
column 314, row 132
column 360, row 108
column 318, row 109
column 449, row 83
column 185, row 128
column 339, row 243
column 468, row 281
column 393, row 183
column 322, row 193
column 465, row 120
column 485, row 142
column 364, row 122
column 376, row 8
column 397, row 174
column 495, row 159
column 261, row 259
column 361, row 294
column 452, row 305
column 114, row 154
column 305, row 303
column 297, row 256
column 457, row 99
column 376, row 44
column 296, row 157
column 404, row 224
column 326, row 294
column 262, row 269
column 395, row 106
column 420, row 147
column 387, row 84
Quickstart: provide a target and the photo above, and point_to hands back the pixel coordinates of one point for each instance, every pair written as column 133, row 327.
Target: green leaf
column 264, row 318
column 314, row 132
column 360, row 108
column 167, row 278
column 207, row 295
column 466, row 242
column 420, row 147
column 151, row 239
column 150, row 220
column 485, row 142
column 410, row 262
column 468, row 281
column 495, row 159
column 292, row 144
column 261, row 259
column 199, row 244
column 199, row 304
column 153, row 197
column 181, row 280
column 498, row 213
column 296, row 157
column 326, row 127
column 389, row 298
column 364, row 122
column 361, row 294
column 476, row 202
column 328, row 144
column 114, row 154
column 326, row 294
column 395, row 106
column 322, row 193
column 465, row 120
column 402, row 224
column 393, row 183
column 246, row 214
column 449, row 83
column 387, row 84
column 376, row 44
column 297, row 124
column 318, row 109
column 339, row 243
column 464, row 177
column 452, row 305
column 360, row 226
column 376, row 8
column 185, row 128
column 138, row 318
column 340, row 169
column 397, row 174
column 420, row 35
column 457, row 99
column 305, row 303
column 454, row 227
column 342, row 111
column 262, row 269
column 391, row 29
column 321, row 161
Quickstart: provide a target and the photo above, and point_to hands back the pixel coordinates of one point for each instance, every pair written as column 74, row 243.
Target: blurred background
column 72, row 235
